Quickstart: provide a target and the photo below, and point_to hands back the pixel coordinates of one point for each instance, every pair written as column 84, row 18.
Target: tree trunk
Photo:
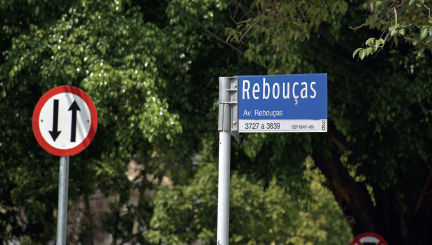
column 116, row 223
column 136, row 223
column 396, row 222
column 352, row 197
column 90, row 224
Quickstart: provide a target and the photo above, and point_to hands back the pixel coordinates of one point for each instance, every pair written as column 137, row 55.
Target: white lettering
column 312, row 83
column 293, row 89
column 286, row 95
column 246, row 90
column 246, row 113
column 256, row 89
column 275, row 90
column 303, row 92
column 268, row 113
column 295, row 96
column 264, row 90
column 276, row 85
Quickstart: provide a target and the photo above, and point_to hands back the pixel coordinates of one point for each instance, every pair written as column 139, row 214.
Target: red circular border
column 357, row 238
column 36, row 113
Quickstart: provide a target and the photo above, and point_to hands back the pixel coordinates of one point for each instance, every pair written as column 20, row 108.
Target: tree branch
column 428, row 10
column 419, row 202
column 129, row 238
column 207, row 30
column 323, row 61
column 212, row 34
column 352, row 197
column 357, row 27
column 247, row 11
column 329, row 37
column 244, row 34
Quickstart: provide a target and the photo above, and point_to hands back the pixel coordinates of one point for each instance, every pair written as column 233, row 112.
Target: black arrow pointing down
column 55, row 133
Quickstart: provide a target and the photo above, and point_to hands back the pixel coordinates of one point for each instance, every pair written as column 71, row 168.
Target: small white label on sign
column 65, row 121
column 280, row 126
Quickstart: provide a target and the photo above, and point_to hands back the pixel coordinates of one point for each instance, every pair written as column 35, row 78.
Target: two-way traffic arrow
column 55, row 133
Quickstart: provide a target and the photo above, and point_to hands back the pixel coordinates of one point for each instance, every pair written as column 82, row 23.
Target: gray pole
column 223, row 188
column 227, row 124
column 62, row 201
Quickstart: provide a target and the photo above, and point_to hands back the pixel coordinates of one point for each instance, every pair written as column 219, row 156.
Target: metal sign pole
column 62, row 201
column 223, row 188
column 227, row 125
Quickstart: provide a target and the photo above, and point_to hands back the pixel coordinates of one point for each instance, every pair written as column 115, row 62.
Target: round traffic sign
column 65, row 121
column 369, row 238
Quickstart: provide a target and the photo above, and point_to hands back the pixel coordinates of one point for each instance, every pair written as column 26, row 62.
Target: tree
column 147, row 77
column 409, row 21
column 378, row 109
column 258, row 215
column 74, row 44
column 143, row 67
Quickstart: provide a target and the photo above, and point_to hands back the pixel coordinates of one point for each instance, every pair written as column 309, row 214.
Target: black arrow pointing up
column 74, row 108
column 55, row 133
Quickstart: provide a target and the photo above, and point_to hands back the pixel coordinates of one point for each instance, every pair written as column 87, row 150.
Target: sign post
column 62, row 200
column 64, row 123
column 268, row 104
column 227, row 123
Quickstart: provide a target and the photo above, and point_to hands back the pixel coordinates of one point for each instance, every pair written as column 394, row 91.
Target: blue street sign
column 283, row 103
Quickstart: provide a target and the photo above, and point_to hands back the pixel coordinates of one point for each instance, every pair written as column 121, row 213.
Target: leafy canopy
column 408, row 21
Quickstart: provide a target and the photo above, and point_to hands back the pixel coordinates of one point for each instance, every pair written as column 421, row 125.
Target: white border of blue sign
column 282, row 103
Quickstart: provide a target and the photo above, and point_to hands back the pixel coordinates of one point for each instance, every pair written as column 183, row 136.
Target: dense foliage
column 152, row 73
column 378, row 108
column 137, row 67
column 258, row 215
column 151, row 68
column 408, row 21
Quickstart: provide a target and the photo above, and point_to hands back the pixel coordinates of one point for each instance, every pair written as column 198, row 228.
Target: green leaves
column 394, row 30
column 372, row 46
column 285, row 25
column 412, row 23
column 368, row 51
column 142, row 100
column 253, row 209
column 428, row 38
column 356, row 51
column 362, row 53
column 424, row 32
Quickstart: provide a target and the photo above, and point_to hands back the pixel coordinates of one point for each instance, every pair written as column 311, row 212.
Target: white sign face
column 65, row 121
